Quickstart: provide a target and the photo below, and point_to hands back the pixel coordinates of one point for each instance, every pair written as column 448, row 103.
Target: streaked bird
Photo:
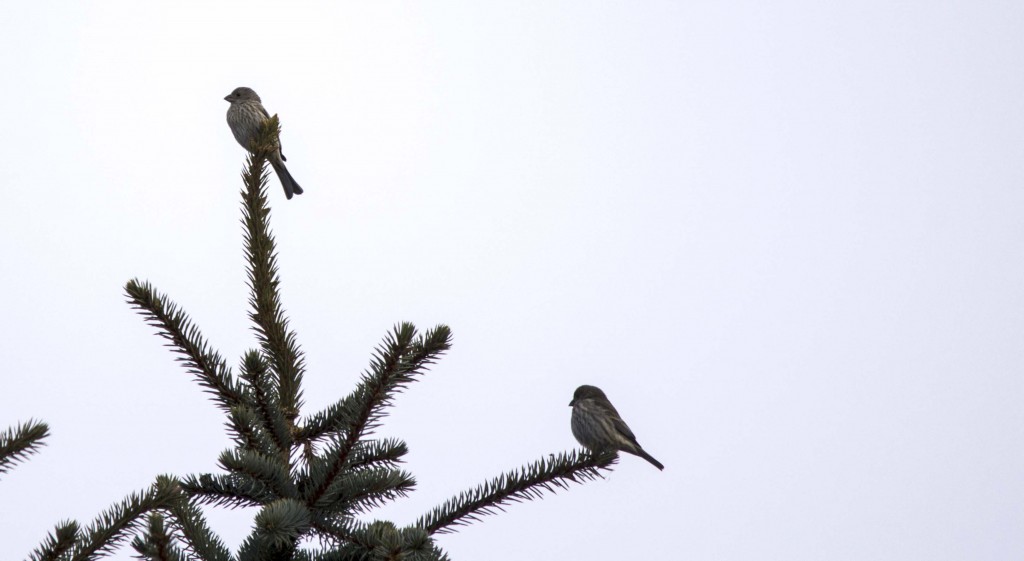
column 598, row 427
column 245, row 115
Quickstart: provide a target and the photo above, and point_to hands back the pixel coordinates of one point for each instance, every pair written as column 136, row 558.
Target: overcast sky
column 786, row 238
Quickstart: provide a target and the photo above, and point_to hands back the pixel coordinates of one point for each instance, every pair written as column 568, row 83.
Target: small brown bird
column 245, row 116
column 597, row 425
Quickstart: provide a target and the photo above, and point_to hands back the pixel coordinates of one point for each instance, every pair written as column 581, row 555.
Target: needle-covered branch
column 381, row 453
column 337, row 530
column 57, row 543
column 379, row 540
column 254, row 371
column 527, row 483
column 231, row 490
column 199, row 541
column 279, row 525
column 156, row 543
column 115, row 525
column 210, row 370
column 20, row 442
column 268, row 470
column 366, row 453
column 395, row 365
column 269, row 322
column 248, row 431
column 365, row 488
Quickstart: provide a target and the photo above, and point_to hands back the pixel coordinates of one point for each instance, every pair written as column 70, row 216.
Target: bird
column 245, row 115
column 598, row 427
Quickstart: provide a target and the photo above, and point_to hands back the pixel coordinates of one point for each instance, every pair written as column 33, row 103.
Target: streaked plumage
column 597, row 425
column 245, row 115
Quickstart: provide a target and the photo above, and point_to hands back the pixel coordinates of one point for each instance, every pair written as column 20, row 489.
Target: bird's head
column 241, row 94
column 586, row 392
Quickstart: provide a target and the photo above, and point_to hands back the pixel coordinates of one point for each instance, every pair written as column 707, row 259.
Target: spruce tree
column 309, row 474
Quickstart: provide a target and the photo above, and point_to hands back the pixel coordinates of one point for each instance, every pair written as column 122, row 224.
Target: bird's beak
column 227, row 98
column 571, row 403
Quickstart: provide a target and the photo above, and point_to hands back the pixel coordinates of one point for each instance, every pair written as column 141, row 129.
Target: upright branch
column 270, row 323
column 395, row 364
column 156, row 542
column 271, row 419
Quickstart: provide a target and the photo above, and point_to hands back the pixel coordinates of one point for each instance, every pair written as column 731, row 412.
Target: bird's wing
column 623, row 429
column 617, row 421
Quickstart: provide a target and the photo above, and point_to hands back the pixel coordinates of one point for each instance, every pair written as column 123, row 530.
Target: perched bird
column 597, row 425
column 245, row 116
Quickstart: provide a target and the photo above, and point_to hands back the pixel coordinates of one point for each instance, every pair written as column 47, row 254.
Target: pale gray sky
column 786, row 238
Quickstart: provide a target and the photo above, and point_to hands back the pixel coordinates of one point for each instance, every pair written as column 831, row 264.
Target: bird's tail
column 643, row 454
column 291, row 187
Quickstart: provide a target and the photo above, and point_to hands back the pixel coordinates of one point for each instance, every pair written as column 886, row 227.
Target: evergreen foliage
column 20, row 442
column 310, row 476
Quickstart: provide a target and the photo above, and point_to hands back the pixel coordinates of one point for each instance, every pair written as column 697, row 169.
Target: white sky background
column 786, row 239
